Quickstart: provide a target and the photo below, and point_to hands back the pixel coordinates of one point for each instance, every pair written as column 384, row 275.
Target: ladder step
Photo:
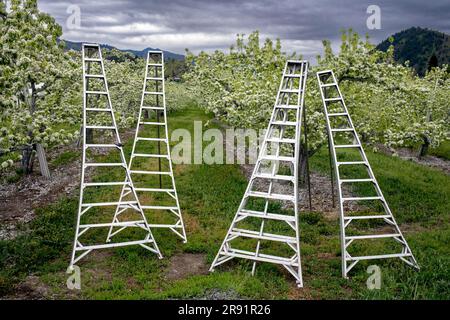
column 98, row 76
column 155, row 78
column 263, row 236
column 384, row 216
column 290, row 91
column 342, row 130
column 339, row 114
column 101, row 127
column 151, row 139
column 143, row 155
column 381, row 256
column 104, row 165
column 284, row 106
column 284, row 123
column 373, row 236
column 101, row 184
column 272, row 196
column 99, row 109
column 262, row 215
column 261, row 257
column 277, row 158
column 102, row 204
column 92, row 60
column 154, row 93
column 159, row 207
column 114, row 245
column 155, row 64
column 342, row 146
column 97, row 92
column 273, row 177
column 351, row 162
column 150, row 190
column 278, row 140
column 293, row 75
column 113, row 224
column 362, row 198
column 153, row 108
column 102, row 146
column 332, row 99
column 153, row 123
column 150, row 172
column 328, row 85
column 356, row 180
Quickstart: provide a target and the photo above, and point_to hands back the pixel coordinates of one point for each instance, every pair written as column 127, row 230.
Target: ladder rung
column 277, row 158
column 338, row 114
column 150, row 172
column 342, row 130
column 262, row 215
column 332, row 99
column 153, row 123
column 101, row 127
column 284, row 123
column 261, row 257
column 274, row 177
column 104, row 165
column 348, row 146
column 98, row 76
column 154, row 93
column 151, row 190
column 113, row 245
column 328, row 85
column 351, row 162
column 101, row 184
column 381, row 256
column 159, row 207
column 289, row 107
column 153, row 108
column 293, row 75
column 102, row 146
column 99, row 109
column 273, row 196
column 142, row 155
column 155, row 78
column 103, row 204
column 97, row 92
column 150, row 139
column 356, row 180
column 278, row 140
column 384, row 216
column 113, row 224
column 92, row 60
column 155, row 64
column 289, row 91
column 373, row 236
column 362, row 198
column 264, row 236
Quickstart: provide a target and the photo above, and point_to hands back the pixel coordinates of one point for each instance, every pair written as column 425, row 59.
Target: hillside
column 167, row 54
column 418, row 45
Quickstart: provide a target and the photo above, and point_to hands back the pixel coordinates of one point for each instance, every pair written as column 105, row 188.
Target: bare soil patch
column 185, row 265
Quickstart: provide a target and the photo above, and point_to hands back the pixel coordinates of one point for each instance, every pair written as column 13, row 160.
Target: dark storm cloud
column 207, row 25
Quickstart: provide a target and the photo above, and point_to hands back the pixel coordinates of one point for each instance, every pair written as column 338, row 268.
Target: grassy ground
column 209, row 196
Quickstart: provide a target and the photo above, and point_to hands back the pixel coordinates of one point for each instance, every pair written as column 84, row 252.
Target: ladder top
column 155, row 51
column 91, row 45
column 297, row 61
column 325, row 71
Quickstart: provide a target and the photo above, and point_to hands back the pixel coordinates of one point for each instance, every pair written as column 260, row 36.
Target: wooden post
column 43, row 164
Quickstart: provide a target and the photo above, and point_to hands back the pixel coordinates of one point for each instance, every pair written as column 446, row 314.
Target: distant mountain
column 420, row 47
column 167, row 54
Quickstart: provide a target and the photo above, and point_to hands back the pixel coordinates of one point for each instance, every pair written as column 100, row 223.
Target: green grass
column 209, row 196
column 65, row 158
column 443, row 151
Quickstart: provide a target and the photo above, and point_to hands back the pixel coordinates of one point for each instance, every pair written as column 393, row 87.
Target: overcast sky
column 208, row 25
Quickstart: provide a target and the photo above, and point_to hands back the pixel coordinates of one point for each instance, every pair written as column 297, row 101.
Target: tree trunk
column 27, row 159
column 424, row 147
column 43, row 164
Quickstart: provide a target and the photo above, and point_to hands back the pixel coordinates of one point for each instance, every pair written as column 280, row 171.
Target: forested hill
column 167, row 54
column 420, row 47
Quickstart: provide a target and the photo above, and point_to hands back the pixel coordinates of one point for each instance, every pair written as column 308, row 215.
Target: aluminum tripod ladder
column 97, row 108
column 280, row 150
column 340, row 130
column 147, row 150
